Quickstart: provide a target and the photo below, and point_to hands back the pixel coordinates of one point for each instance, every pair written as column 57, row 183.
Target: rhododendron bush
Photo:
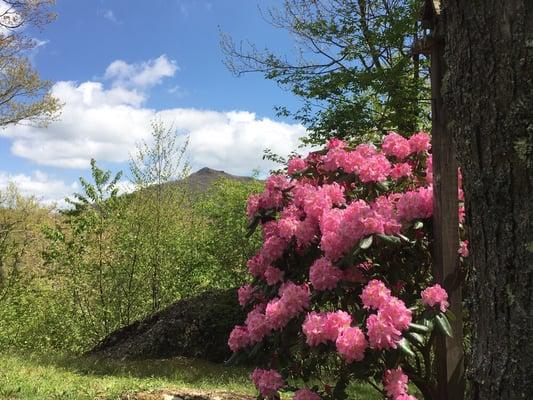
column 342, row 289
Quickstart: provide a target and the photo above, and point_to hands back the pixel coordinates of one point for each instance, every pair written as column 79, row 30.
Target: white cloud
column 46, row 189
column 107, row 123
column 141, row 75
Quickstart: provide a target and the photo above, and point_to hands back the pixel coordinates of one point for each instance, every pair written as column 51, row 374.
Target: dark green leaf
column 405, row 347
column 443, row 324
column 390, row 238
column 414, row 337
column 419, row 328
column 253, row 225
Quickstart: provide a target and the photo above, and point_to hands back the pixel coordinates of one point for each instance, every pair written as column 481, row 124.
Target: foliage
column 73, row 277
column 158, row 205
column 23, row 95
column 223, row 207
column 342, row 284
column 354, row 69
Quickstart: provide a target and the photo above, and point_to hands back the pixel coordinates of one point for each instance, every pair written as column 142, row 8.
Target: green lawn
column 32, row 377
column 57, row 377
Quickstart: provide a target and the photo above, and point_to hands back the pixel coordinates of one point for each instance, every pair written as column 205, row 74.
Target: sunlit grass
column 62, row 377
column 53, row 376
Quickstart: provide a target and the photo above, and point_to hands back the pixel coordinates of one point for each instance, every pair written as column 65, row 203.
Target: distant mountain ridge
column 202, row 179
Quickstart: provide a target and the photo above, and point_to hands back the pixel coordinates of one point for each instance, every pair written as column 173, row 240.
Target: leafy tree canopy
column 24, row 96
column 354, row 69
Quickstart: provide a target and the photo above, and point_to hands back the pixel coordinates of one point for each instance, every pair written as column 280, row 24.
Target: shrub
column 342, row 288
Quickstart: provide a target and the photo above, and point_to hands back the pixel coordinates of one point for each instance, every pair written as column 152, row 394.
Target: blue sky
column 118, row 64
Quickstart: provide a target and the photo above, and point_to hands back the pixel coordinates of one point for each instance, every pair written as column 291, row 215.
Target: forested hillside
column 69, row 277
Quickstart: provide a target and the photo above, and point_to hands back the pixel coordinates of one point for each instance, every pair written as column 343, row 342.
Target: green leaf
column 405, row 347
column 414, row 337
column 390, row 238
column 419, row 328
column 443, row 324
column 418, row 225
column 365, row 243
column 253, row 225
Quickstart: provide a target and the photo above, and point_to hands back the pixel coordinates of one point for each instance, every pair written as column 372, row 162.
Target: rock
column 196, row 327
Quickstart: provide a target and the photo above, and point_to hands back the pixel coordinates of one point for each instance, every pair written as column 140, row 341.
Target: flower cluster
column 344, row 263
column 268, row 382
column 395, row 382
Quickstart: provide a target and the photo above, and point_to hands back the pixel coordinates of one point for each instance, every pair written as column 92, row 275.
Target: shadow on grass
column 183, row 370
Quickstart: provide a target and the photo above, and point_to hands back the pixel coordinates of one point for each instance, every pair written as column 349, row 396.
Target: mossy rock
column 196, row 327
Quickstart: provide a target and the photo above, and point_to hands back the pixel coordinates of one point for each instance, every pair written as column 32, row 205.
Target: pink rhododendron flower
column 375, row 294
column 335, row 323
column 252, row 206
column 335, row 143
column 277, row 314
column 401, row 170
column 396, row 312
column 351, row 344
column 256, row 265
column 385, row 207
column 324, row 275
column 334, row 159
column 420, row 142
column 257, row 325
column 295, row 297
column 416, row 204
column 381, row 332
column 295, row 164
column 396, row 145
column 405, row 397
column 429, row 169
column 374, row 169
column 342, row 229
column 306, row 232
column 306, row 394
column 268, row 382
column 273, row 249
column 292, row 301
column 277, row 183
column 287, row 227
column 463, row 248
column 245, row 294
column 239, row 338
column 435, row 295
column 461, row 214
column 395, row 382
column 314, row 328
column 273, row 275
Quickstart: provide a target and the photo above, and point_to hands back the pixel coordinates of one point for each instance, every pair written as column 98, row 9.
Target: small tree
column 155, row 168
column 23, row 95
column 82, row 251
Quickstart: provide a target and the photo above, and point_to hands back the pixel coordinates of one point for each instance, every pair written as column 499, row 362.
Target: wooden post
column 450, row 354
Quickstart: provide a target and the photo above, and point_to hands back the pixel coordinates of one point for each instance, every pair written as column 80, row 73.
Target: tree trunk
column 489, row 98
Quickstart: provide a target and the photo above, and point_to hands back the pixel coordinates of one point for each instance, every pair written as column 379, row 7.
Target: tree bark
column 488, row 92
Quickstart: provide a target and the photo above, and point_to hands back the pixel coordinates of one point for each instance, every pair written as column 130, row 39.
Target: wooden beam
column 450, row 354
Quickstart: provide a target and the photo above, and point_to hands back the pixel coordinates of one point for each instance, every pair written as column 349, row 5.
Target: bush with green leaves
column 342, row 286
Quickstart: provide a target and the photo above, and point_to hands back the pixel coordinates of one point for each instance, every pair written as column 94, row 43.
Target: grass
column 53, row 376
column 62, row 377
